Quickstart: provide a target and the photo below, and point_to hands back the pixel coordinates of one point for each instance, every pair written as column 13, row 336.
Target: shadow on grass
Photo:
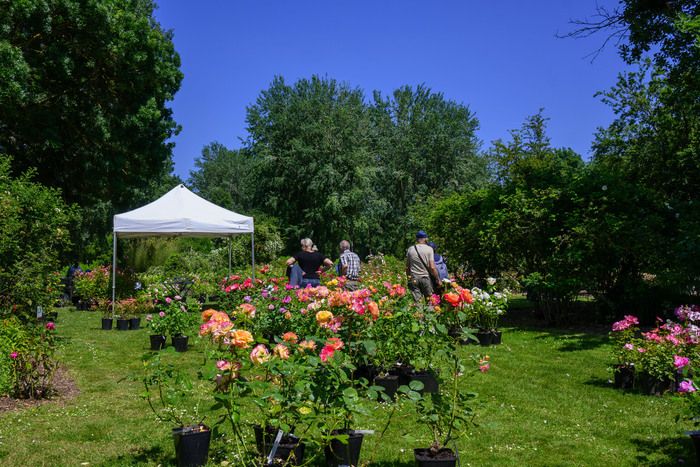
column 147, row 456
column 665, row 452
column 601, row 383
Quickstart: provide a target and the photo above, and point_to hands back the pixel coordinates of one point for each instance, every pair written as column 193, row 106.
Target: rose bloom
column 290, row 337
column 373, row 310
column 686, row 386
column 50, row 325
column 335, row 343
column 223, row 365
column 466, row 296
column 161, row 314
column 323, row 316
column 307, row 345
column 240, row 338
column 247, row 309
column 259, row 354
column 326, row 353
column 281, row 351
column 207, row 314
column 434, row 299
column 679, row 362
column 629, row 346
column 14, row 355
column 452, row 298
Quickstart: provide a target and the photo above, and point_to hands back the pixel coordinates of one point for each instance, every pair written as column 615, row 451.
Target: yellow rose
column 324, row 316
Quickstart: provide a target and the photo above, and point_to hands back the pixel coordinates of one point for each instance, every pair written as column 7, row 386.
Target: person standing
column 440, row 263
column 349, row 266
column 420, row 267
column 309, row 263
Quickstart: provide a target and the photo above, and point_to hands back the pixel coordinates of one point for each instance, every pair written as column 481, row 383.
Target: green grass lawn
column 546, row 401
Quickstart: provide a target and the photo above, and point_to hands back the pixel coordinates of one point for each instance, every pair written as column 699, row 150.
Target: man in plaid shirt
column 349, row 266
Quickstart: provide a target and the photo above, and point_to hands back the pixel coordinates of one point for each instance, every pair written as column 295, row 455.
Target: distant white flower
column 604, row 187
column 490, row 280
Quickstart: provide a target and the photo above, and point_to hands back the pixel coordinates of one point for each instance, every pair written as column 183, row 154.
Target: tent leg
column 252, row 253
column 114, row 270
column 229, row 256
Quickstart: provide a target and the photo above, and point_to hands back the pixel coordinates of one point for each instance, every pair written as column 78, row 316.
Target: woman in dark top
column 310, row 264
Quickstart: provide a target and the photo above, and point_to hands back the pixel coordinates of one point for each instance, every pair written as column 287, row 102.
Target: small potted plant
column 487, row 310
column 173, row 398
column 157, row 324
column 447, row 414
column 181, row 318
column 624, row 350
column 105, row 307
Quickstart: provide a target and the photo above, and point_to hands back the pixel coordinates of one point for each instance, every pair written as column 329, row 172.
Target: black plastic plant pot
column 623, row 377
column 444, row 457
column 157, row 342
column 289, row 451
column 107, row 324
column 122, row 324
column 134, row 323
column 339, row 453
column 390, row 383
column 496, row 338
column 192, row 445
column 180, row 343
column 485, row 338
column 430, row 383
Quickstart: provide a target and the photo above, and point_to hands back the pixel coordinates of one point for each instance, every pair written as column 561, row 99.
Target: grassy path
column 546, row 401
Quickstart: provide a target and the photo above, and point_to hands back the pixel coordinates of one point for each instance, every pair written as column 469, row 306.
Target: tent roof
column 181, row 212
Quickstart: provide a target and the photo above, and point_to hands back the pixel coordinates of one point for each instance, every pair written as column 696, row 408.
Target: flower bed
column 299, row 356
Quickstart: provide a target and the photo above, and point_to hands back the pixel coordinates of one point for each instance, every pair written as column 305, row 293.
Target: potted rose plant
column 623, row 337
column 174, row 398
column 157, row 324
column 180, row 319
column 447, row 414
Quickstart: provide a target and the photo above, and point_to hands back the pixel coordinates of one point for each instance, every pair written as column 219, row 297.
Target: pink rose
column 50, row 326
column 168, row 300
column 679, row 362
column 14, row 355
column 326, row 353
column 161, row 314
column 629, row 346
column 686, row 386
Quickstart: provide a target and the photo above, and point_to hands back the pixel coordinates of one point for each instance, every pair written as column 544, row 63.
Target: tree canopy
column 83, row 93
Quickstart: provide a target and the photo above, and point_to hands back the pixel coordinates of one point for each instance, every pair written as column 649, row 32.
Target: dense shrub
column 27, row 363
column 34, row 223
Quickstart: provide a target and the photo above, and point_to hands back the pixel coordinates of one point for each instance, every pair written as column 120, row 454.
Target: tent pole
column 114, row 269
column 229, row 255
column 252, row 253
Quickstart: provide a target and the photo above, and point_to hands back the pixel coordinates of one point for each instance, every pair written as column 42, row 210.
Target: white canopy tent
column 180, row 212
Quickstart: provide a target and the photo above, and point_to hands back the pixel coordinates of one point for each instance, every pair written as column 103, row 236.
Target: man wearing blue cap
column 420, row 266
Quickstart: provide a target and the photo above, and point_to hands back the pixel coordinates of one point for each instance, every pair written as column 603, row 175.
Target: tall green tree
column 83, row 93
column 655, row 138
column 313, row 167
column 425, row 145
column 223, row 176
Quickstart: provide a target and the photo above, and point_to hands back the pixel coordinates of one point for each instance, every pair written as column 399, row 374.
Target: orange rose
column 466, row 296
column 207, row 314
column 241, row 338
column 452, row 298
column 373, row 310
column 290, row 337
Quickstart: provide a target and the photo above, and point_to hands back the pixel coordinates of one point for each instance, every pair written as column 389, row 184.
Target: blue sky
column 500, row 58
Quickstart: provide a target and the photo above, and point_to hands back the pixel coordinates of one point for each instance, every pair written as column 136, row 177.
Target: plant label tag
column 275, row 445
column 39, row 311
column 365, row 432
